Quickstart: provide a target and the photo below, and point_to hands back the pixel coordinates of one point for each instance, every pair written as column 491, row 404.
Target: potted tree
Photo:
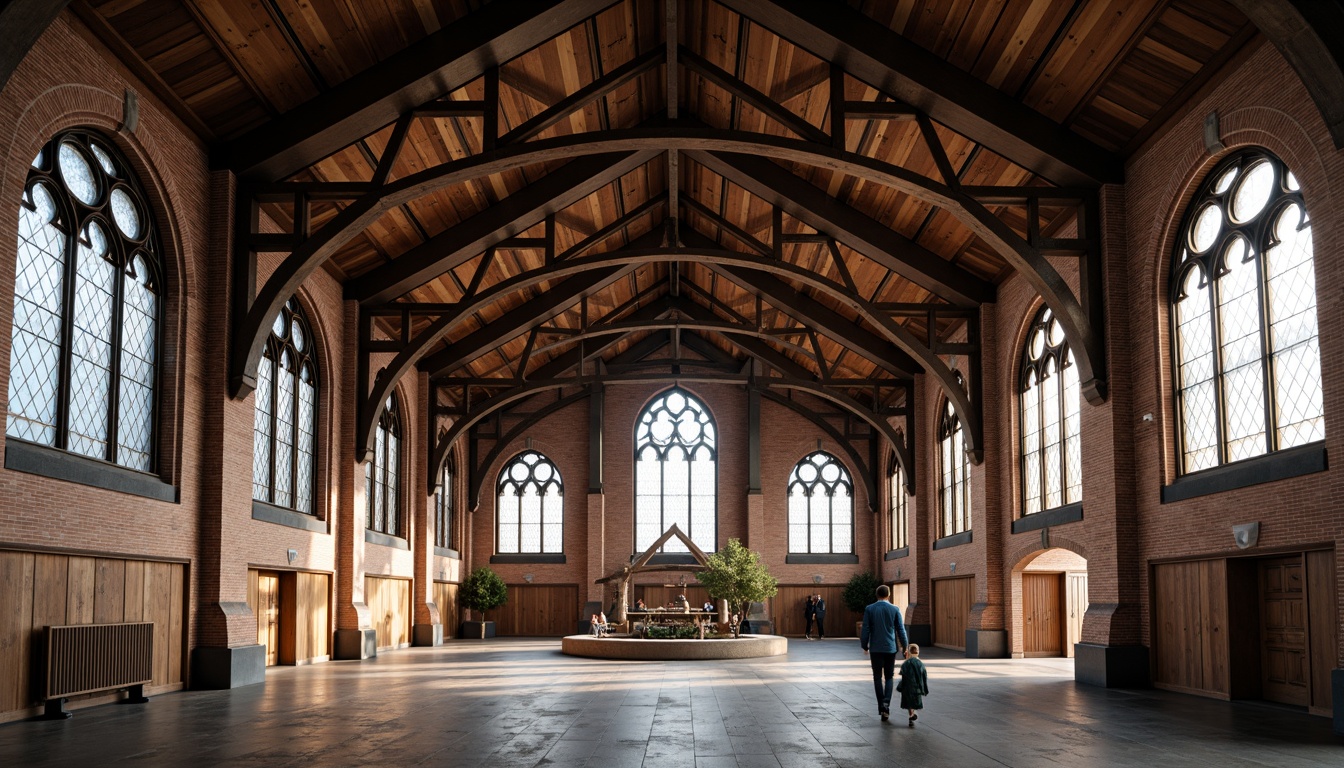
column 860, row 592
column 735, row 574
column 482, row 591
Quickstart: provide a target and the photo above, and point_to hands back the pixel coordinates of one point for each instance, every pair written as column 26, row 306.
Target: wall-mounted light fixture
column 1246, row 535
column 293, row 555
column 952, row 567
column 1147, row 417
column 816, row 579
column 528, row 577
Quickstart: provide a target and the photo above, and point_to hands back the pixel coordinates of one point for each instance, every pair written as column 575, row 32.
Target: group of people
column 884, row 636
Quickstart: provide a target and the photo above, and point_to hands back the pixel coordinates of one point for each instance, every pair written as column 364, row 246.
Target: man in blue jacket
column 884, row 635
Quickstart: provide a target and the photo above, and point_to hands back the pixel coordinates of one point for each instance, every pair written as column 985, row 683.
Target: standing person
column 819, row 610
column 884, row 634
column 914, row 683
column 809, row 614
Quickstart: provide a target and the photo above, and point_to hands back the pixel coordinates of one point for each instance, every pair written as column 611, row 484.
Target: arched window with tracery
column 284, row 433
column 382, row 474
column 530, row 507
column 821, row 506
column 676, row 472
column 900, row 506
column 954, row 472
column 1247, row 357
column 1050, row 405
column 443, row 507
column 83, row 365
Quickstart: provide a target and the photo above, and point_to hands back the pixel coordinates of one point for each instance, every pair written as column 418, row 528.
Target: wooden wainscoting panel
column 16, row 629
column 389, row 602
column 79, row 591
column 538, row 610
column 312, row 617
column 1190, row 627
column 952, row 600
column 109, row 591
column 1323, row 623
column 445, row 596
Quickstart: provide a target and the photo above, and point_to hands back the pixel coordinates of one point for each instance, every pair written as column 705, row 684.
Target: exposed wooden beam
column 889, row 62
column 438, row 64
column 512, row 215
column 876, row 241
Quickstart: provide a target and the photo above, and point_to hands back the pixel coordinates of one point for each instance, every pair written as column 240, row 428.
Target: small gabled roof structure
column 643, row 564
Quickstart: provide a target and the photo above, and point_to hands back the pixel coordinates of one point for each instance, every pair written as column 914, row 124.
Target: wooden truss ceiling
column 811, row 196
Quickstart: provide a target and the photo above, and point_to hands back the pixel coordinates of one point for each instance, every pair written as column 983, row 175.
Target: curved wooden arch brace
column 477, row 478
column 689, row 136
column 865, row 472
column 463, row 423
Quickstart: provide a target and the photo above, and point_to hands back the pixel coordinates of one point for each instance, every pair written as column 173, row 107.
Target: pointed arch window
column 382, row 474
column 1246, row 343
column 676, row 472
column 1050, row 405
column 954, row 472
column 443, row 507
column 530, row 507
column 84, row 355
column 284, row 430
column 821, row 506
column 900, row 506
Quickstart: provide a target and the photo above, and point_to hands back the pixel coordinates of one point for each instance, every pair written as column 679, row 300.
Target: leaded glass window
column 530, row 507
column 443, row 507
column 821, row 506
column 900, row 506
column 382, row 473
column 1247, row 353
column 676, row 472
column 83, row 365
column 1052, row 465
column 954, row 468
column 284, row 428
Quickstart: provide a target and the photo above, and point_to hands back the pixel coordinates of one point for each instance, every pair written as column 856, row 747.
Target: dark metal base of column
column 427, row 635
column 354, row 644
column 214, row 668
column 986, row 644
column 1337, row 694
column 1111, row 666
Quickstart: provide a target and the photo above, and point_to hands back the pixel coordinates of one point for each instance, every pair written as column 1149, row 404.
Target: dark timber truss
column 677, row 331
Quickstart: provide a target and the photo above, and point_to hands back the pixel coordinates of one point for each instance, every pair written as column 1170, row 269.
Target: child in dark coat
column 914, row 685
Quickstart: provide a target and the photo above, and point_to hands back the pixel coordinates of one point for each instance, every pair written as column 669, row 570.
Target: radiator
column 86, row 658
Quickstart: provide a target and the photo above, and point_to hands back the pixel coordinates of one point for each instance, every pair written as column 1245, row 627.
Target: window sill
column 820, row 559
column 270, row 513
column 897, row 554
column 532, row 558
column 955, row 540
column 451, row 554
column 1294, row 462
column 386, row 540
column 60, row 465
column 1069, row 513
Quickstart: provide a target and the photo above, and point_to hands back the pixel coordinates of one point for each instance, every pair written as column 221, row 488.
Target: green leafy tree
column 861, row 591
column 483, row 591
column 735, row 574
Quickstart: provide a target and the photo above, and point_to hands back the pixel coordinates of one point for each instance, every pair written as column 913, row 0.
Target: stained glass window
column 1246, row 343
column 530, row 507
column 443, row 507
column 676, row 472
column 1052, row 466
column 900, row 506
column 284, row 426
column 954, row 479
column 83, row 363
column 821, row 506
column 382, row 474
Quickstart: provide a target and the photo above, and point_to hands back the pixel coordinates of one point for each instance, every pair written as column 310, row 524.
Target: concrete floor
column 521, row 703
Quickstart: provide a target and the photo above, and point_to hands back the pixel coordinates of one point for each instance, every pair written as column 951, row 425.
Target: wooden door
column 389, row 602
column 952, row 600
column 1075, row 602
column 1284, row 669
column 1042, row 620
column 268, row 615
column 900, row 597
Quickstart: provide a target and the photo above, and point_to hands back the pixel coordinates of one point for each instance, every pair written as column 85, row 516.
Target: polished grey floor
column 521, row 703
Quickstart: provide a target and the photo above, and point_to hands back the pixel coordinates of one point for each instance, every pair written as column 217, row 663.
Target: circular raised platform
column 637, row 649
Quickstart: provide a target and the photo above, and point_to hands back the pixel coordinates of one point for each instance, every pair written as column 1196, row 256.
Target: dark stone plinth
column 427, row 635
column 356, row 644
column 215, row 668
column 986, row 644
column 1111, row 666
